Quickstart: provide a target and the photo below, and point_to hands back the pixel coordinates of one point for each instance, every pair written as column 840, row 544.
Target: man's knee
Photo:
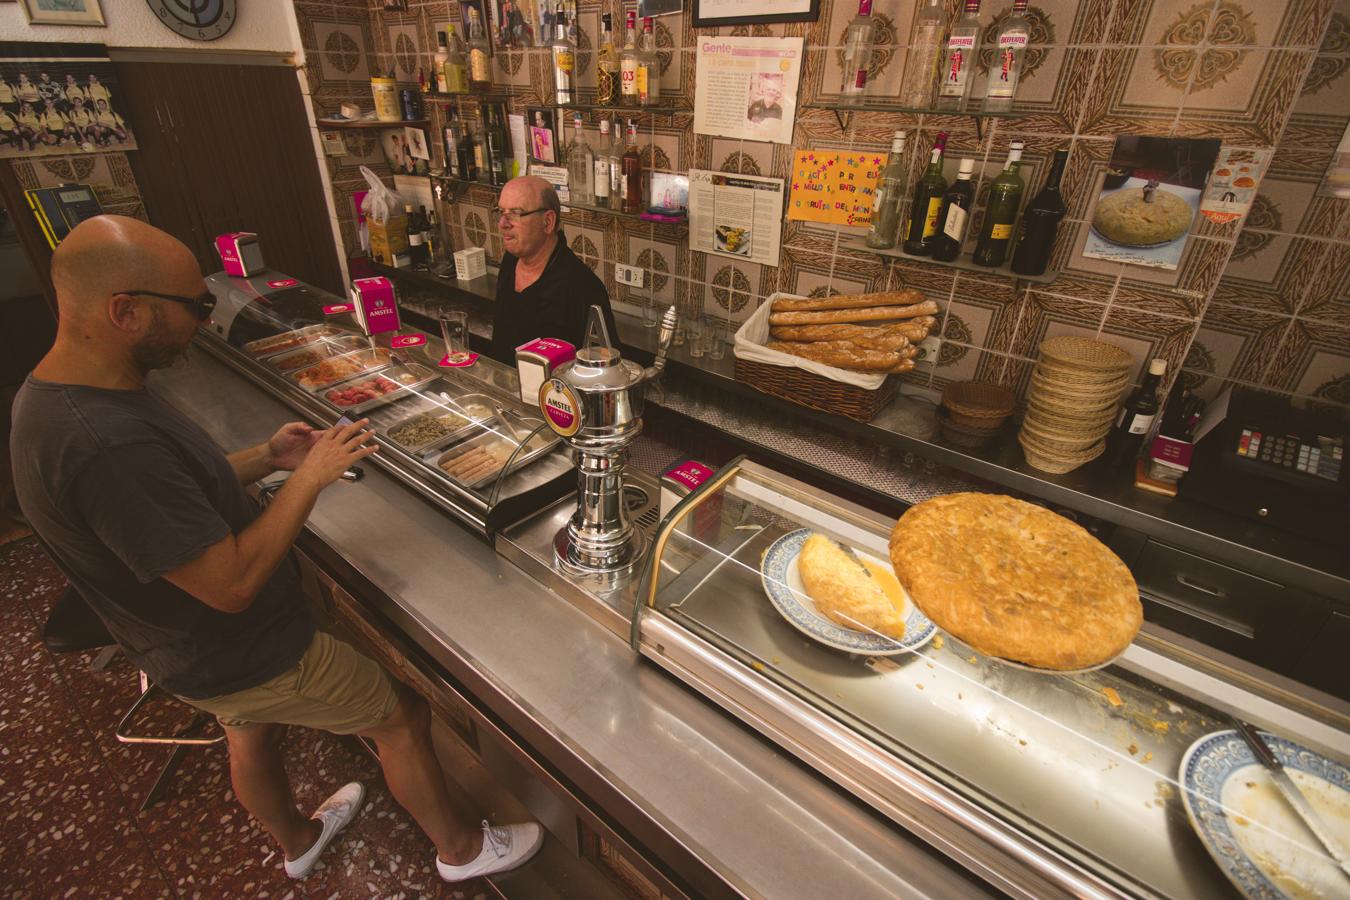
column 408, row 722
column 253, row 740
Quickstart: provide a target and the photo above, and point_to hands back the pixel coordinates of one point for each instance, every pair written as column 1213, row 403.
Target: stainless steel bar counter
column 715, row 808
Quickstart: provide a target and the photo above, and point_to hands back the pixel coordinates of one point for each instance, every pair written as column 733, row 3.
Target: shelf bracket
column 843, row 118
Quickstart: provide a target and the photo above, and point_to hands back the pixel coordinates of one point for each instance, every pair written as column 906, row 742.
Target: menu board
column 834, row 188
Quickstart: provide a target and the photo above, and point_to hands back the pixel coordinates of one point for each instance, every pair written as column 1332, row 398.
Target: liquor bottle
column 1040, row 222
column 422, row 84
column 416, row 252
column 615, row 158
column 431, row 237
column 480, row 52
column 1005, row 195
column 857, row 53
column 923, row 210
column 955, row 211
column 1135, row 418
column 452, row 139
column 628, row 64
column 424, row 228
column 925, row 53
column 439, row 61
column 885, row 228
column 632, row 172
column 498, row 144
column 564, row 60
column 648, row 67
column 607, row 65
column 456, row 67
column 601, row 181
column 580, row 165
column 482, row 168
column 1010, row 46
column 963, row 46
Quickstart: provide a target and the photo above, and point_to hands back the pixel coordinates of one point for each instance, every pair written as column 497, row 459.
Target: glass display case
column 460, row 436
column 1128, row 779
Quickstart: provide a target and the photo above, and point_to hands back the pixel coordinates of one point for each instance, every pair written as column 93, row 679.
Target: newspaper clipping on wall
column 747, row 87
column 735, row 215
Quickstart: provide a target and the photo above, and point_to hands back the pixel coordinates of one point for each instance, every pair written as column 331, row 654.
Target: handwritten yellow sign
column 835, row 188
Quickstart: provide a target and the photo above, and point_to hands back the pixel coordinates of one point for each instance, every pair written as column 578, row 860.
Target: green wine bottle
column 1005, row 196
column 923, row 211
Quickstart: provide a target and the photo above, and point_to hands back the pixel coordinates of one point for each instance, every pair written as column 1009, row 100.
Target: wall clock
column 197, row 20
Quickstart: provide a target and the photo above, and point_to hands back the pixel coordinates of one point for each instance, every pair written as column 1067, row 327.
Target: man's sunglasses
column 201, row 305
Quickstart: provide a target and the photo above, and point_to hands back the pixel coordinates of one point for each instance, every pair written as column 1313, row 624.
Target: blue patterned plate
column 1249, row 828
column 783, row 584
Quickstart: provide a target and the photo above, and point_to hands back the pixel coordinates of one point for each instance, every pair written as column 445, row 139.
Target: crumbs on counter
column 1161, row 727
column 1133, row 748
column 919, row 685
column 938, row 641
column 1111, row 696
column 1148, row 756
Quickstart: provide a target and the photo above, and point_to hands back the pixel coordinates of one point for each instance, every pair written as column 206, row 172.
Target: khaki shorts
column 333, row 687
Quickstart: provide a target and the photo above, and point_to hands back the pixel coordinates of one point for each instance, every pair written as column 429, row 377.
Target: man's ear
column 126, row 312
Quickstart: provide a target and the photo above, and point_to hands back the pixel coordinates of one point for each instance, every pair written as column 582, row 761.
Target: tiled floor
column 69, row 791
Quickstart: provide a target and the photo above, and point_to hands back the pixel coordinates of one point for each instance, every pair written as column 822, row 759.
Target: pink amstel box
column 240, row 253
column 681, row 480
column 375, row 305
column 536, row 361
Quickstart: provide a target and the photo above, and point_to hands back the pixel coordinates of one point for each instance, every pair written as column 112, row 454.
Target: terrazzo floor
column 69, row 791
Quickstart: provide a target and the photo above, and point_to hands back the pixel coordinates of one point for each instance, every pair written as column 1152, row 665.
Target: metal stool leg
column 104, row 657
column 161, row 785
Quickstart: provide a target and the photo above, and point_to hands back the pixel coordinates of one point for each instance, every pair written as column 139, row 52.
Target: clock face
column 198, row 20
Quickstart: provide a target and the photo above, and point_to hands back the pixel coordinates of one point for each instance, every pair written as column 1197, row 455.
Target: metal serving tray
column 497, row 435
column 465, row 407
column 323, row 349
column 405, row 378
column 366, row 361
column 290, row 340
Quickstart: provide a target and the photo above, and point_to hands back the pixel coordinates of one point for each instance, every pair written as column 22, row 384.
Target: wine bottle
column 607, row 65
column 857, row 53
column 1005, row 195
column 955, row 212
column 1040, row 222
column 890, row 193
column 416, row 252
column 925, row 53
column 1010, row 47
column 923, row 210
column 1136, row 416
column 564, row 60
column 963, row 47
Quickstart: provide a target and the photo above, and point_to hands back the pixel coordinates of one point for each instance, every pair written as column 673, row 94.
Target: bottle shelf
column 567, row 204
column 663, row 109
column 969, row 108
column 489, row 97
column 331, row 124
column 962, row 262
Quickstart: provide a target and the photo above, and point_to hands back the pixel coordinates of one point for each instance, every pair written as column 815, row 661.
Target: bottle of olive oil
column 923, row 211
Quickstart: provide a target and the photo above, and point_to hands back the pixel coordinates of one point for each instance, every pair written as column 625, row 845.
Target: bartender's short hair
column 549, row 198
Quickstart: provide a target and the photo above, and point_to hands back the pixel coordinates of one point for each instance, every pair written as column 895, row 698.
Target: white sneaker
column 335, row 813
column 504, row 847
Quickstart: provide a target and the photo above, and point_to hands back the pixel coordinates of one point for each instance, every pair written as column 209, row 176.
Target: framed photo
column 514, row 25
column 541, row 131
column 711, row 13
column 59, row 99
column 64, row 12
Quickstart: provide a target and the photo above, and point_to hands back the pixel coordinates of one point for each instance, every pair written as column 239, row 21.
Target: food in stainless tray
column 468, row 466
column 361, row 391
column 300, row 360
column 287, row 341
column 327, row 372
column 425, row 428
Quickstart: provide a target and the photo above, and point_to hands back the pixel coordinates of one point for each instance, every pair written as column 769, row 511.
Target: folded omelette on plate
column 847, row 590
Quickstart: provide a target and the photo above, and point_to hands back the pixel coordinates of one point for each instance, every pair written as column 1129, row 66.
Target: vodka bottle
column 564, row 60
column 649, row 67
column 925, row 52
column 857, row 53
column 580, row 166
column 885, row 228
column 601, row 180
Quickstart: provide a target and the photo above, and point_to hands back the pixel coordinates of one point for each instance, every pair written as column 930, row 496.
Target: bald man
column 150, row 522
column 543, row 288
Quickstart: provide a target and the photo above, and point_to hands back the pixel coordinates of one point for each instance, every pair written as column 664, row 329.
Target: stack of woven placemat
column 1072, row 401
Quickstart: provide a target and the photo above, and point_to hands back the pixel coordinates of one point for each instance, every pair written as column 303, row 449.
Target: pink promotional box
column 375, row 305
column 535, row 362
column 240, row 253
column 681, row 480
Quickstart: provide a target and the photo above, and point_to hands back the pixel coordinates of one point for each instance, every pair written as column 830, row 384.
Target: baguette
column 841, row 355
column 885, row 337
column 865, row 314
column 906, row 297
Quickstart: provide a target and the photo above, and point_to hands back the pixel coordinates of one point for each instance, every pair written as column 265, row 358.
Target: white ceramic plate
column 1252, row 832
column 783, row 583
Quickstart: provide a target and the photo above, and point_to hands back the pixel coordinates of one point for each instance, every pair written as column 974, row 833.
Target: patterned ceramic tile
column 1276, row 278
column 1041, row 315
column 1261, row 333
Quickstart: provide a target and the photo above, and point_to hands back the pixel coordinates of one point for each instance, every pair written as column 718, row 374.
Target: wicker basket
column 808, row 389
column 1056, row 463
column 1084, row 353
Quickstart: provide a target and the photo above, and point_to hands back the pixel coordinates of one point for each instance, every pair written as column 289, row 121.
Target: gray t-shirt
column 123, row 488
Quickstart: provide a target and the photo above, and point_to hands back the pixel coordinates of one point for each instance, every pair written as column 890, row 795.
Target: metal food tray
column 542, row 443
column 424, row 377
column 370, row 361
column 430, row 406
column 306, row 335
column 326, row 349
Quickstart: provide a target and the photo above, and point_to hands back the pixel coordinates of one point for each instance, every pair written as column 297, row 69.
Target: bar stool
column 73, row 627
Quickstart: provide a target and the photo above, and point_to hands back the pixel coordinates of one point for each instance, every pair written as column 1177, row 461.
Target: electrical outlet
column 928, row 348
column 629, row 275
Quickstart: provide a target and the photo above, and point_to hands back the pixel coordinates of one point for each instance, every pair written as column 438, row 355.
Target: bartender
column 543, row 288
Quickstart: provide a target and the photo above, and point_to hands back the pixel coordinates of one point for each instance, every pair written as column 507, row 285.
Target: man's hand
column 290, row 445
column 333, row 452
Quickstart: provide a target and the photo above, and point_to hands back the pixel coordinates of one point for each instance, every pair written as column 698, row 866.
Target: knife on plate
column 1266, row 757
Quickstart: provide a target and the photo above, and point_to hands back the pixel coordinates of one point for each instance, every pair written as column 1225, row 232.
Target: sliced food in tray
column 340, row 368
column 316, row 352
column 478, row 461
column 433, row 421
column 290, row 340
column 365, row 392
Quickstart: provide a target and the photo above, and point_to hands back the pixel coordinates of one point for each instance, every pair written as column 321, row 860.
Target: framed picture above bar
column 63, row 12
column 711, row 13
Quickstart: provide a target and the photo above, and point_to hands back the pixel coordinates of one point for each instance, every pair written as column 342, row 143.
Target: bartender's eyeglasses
column 515, row 215
column 201, row 305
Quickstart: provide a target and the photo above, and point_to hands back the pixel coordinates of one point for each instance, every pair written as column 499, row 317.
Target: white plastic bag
column 380, row 200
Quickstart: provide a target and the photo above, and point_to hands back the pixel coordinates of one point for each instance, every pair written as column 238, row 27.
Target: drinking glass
column 651, row 315
column 455, row 333
column 717, row 345
column 680, row 328
column 696, row 331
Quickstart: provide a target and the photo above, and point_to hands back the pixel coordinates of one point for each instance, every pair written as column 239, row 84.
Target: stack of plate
column 1072, row 401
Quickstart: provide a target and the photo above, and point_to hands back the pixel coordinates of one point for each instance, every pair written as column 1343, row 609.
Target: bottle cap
column 967, row 167
column 1016, row 145
column 1157, row 367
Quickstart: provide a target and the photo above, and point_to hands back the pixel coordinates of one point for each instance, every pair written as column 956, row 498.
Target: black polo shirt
column 555, row 306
